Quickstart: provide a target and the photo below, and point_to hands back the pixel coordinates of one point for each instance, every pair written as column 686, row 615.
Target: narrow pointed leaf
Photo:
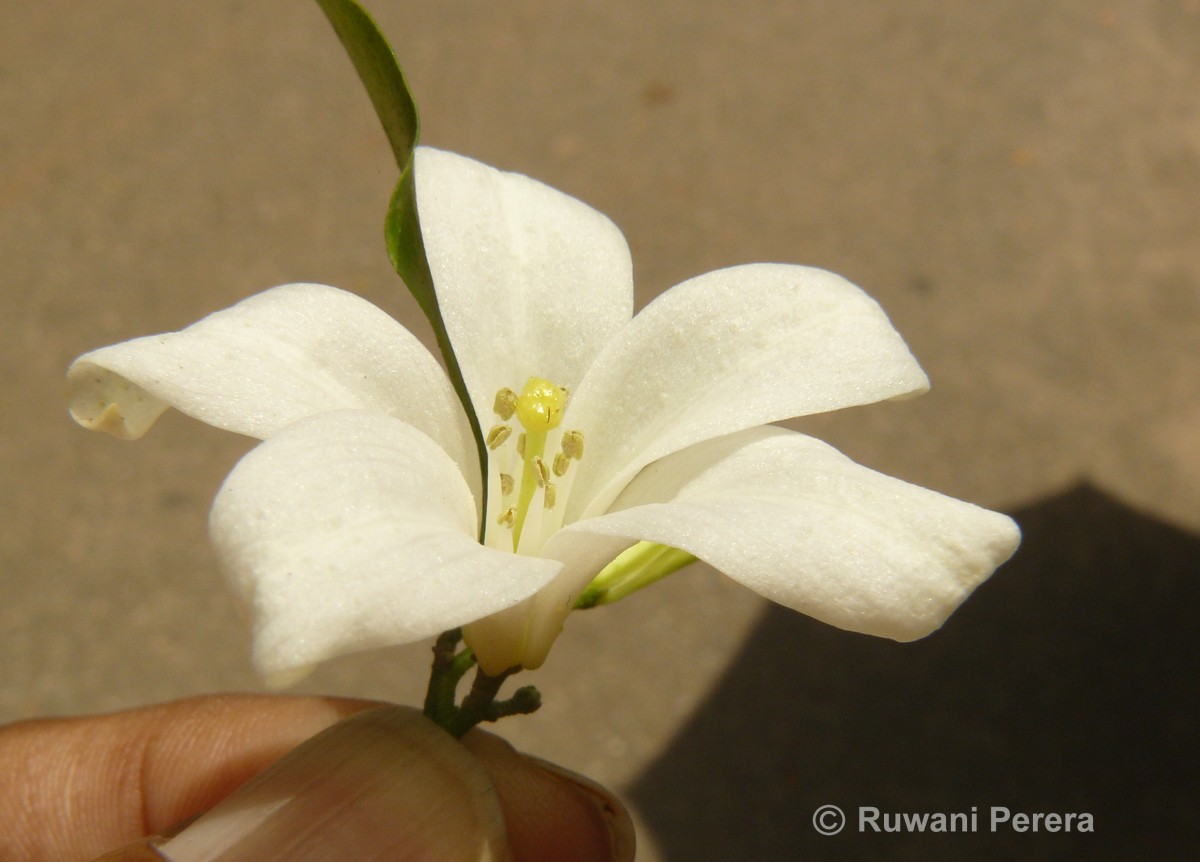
column 380, row 73
column 376, row 65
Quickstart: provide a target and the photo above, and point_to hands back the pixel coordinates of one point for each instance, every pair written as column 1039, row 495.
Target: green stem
column 448, row 668
column 480, row 704
column 475, row 705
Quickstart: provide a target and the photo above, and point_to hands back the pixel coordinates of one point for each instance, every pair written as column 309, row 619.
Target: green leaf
column 376, row 65
column 380, row 73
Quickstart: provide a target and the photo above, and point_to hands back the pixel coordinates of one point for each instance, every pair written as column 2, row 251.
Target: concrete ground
column 1018, row 183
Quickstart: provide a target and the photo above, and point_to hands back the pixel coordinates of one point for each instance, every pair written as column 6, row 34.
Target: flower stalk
column 450, row 665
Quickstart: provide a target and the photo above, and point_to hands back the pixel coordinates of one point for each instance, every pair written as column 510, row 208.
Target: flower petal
column 523, row 634
column 351, row 530
column 530, row 282
column 726, row 351
column 799, row 523
column 284, row 354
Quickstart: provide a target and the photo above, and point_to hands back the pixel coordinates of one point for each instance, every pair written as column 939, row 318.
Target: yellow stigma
column 540, row 405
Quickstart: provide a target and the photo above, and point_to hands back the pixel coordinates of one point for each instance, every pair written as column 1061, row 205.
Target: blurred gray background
column 1017, row 182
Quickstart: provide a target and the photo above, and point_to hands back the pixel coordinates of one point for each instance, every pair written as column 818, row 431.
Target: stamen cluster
column 538, row 410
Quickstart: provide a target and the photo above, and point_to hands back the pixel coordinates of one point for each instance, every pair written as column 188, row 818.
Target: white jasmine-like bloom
column 356, row 522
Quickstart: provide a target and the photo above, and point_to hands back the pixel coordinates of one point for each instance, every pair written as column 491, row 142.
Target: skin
column 75, row 788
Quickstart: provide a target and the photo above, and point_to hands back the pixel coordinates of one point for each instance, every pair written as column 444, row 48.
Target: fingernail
column 615, row 819
column 383, row 784
column 143, row 851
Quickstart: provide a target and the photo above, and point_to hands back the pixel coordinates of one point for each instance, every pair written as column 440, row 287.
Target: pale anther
column 540, row 471
column 572, row 444
column 561, row 463
column 521, row 445
column 548, row 502
column 508, row 517
column 498, row 435
column 506, row 404
column 506, row 484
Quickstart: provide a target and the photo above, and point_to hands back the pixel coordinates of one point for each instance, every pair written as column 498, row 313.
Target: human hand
column 382, row 783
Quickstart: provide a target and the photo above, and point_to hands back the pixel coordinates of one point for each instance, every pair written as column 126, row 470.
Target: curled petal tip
column 104, row 401
column 109, row 420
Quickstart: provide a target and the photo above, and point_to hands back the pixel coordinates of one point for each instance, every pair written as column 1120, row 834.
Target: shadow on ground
column 1068, row 683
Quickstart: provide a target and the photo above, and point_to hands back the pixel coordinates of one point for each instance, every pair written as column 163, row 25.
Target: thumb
column 383, row 784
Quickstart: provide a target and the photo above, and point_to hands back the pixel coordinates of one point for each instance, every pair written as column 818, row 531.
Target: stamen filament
column 535, row 444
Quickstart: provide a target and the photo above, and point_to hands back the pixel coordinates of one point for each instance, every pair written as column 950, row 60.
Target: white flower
column 355, row 523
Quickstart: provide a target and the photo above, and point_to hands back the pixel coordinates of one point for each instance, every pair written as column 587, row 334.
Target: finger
column 77, row 787
column 387, row 783
column 384, row 784
column 553, row 814
column 130, row 774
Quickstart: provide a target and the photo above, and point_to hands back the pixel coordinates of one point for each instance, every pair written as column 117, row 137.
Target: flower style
column 357, row 522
